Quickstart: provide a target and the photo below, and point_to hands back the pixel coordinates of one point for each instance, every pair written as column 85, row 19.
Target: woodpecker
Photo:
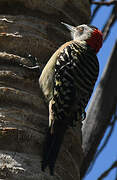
column 67, row 82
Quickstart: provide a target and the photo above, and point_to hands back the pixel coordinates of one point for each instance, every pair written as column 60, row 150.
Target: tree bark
column 100, row 111
column 33, row 27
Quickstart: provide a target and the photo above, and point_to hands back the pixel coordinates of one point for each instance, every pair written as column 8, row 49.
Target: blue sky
column 109, row 154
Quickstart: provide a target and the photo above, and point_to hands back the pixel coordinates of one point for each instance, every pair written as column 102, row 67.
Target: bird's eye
column 81, row 29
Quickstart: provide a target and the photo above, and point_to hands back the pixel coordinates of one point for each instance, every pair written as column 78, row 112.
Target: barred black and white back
column 76, row 72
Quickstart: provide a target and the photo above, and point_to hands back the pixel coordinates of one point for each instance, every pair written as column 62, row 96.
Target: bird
column 67, row 82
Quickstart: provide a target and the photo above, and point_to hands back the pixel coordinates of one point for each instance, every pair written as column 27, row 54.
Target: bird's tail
column 52, row 147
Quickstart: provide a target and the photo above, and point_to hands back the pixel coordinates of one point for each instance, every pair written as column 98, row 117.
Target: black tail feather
column 52, row 147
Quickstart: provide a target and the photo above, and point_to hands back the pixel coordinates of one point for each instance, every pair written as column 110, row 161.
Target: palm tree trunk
column 33, row 27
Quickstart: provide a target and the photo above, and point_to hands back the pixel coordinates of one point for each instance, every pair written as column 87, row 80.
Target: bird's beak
column 71, row 28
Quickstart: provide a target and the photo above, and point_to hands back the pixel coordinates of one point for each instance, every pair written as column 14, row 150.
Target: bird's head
column 90, row 34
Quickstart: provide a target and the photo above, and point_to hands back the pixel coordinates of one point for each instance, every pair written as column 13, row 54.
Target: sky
column 109, row 154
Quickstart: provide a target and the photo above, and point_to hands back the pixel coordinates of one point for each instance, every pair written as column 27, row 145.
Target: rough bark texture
column 33, row 27
column 100, row 111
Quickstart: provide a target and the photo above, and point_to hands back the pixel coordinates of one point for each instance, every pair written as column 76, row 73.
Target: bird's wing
column 74, row 79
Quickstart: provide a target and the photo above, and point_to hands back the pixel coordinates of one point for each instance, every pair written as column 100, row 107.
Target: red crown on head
column 96, row 39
